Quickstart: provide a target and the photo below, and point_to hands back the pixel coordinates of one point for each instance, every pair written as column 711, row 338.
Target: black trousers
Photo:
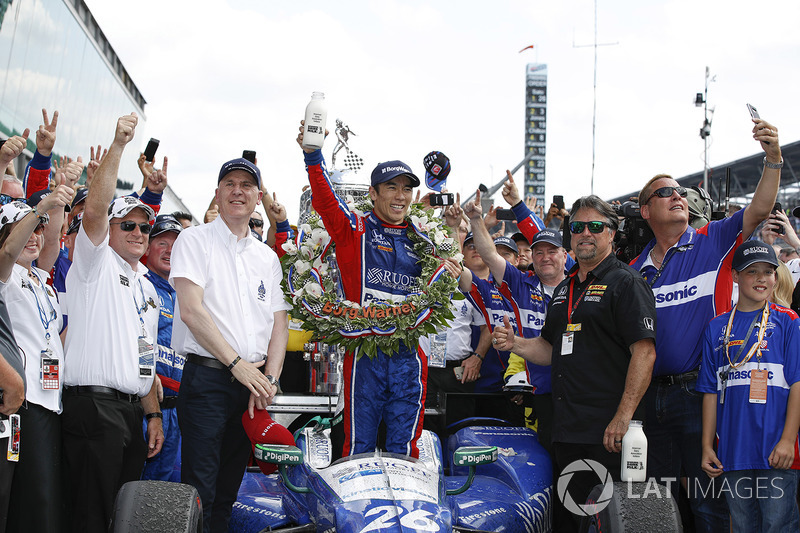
column 37, row 493
column 104, row 448
column 6, row 477
column 582, row 482
column 214, row 447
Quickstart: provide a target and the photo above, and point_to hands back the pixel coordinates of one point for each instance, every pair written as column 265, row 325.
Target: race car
column 509, row 488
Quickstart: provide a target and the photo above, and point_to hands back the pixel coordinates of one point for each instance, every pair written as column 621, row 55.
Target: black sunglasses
column 129, row 225
column 255, row 223
column 666, row 192
column 595, row 226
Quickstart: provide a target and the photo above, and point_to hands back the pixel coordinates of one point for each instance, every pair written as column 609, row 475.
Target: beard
column 585, row 254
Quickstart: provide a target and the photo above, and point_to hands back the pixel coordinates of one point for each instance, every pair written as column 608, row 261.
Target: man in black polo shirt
column 599, row 337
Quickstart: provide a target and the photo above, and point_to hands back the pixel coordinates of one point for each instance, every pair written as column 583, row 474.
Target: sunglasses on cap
column 666, row 192
column 595, row 226
column 129, row 225
column 6, row 199
column 256, row 223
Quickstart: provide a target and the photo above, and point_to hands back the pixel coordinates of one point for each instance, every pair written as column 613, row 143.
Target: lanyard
column 45, row 316
column 755, row 348
column 143, row 307
column 573, row 307
column 664, row 261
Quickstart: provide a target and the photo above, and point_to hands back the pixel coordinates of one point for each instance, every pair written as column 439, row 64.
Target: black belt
column 677, row 378
column 210, row 362
column 101, row 392
column 169, row 402
column 454, row 363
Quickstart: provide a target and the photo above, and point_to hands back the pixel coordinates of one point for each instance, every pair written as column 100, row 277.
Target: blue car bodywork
column 387, row 492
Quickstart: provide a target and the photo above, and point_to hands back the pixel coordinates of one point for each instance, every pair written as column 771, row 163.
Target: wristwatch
column 773, row 165
column 272, row 380
column 156, row 414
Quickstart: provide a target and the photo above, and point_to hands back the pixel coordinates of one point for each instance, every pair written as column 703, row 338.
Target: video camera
column 633, row 234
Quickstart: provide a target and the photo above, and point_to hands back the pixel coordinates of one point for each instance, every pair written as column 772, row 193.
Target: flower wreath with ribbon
column 310, row 284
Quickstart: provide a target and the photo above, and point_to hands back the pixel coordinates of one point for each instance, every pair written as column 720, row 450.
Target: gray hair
column 599, row 205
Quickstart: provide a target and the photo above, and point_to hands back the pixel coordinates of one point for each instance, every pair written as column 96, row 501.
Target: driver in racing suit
column 377, row 262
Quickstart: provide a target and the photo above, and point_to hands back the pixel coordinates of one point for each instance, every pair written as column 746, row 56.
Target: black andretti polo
column 613, row 309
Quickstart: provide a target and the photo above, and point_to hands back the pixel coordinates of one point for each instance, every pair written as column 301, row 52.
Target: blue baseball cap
column 750, row 252
column 549, row 236
column 437, row 168
column 240, row 164
column 508, row 243
column 163, row 224
column 390, row 170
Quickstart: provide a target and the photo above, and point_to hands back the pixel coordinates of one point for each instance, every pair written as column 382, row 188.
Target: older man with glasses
column 689, row 272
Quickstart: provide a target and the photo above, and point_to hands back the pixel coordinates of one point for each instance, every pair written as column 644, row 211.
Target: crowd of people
column 130, row 336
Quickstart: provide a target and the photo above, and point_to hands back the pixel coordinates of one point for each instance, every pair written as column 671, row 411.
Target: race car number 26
column 387, row 517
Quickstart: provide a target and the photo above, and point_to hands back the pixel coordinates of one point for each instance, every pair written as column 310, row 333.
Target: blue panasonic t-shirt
column 525, row 293
column 168, row 363
column 491, row 304
column 749, row 431
column 694, row 286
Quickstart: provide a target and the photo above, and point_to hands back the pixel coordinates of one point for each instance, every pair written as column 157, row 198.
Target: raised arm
column 483, row 241
column 53, row 204
column 534, row 349
column 767, row 188
column 104, row 184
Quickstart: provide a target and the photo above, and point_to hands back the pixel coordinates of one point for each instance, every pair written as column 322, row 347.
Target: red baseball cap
column 262, row 429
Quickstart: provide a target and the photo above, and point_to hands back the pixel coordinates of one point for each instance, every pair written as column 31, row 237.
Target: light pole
column 702, row 100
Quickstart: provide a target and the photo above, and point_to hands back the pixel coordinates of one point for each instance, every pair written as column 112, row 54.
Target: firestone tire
column 645, row 507
column 157, row 507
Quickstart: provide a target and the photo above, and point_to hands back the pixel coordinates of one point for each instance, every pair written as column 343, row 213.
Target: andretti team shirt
column 693, row 285
column 591, row 326
column 749, row 431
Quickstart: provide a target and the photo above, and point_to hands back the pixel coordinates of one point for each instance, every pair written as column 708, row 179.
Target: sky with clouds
column 409, row 77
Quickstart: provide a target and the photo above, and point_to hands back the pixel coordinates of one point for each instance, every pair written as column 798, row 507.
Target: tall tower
column 535, row 130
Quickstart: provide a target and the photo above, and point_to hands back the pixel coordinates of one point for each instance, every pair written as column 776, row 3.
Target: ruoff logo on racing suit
column 393, row 280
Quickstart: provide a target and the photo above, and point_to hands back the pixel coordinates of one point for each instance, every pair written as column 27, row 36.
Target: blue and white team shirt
column 486, row 297
column 525, row 294
column 169, row 363
column 748, row 432
column 693, row 286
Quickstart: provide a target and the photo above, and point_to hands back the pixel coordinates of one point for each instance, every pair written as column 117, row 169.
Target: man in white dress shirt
column 232, row 326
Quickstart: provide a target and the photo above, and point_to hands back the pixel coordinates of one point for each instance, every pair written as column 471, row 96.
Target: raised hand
column 95, row 158
column 276, row 211
column 510, row 192
column 126, row 128
column 46, row 134
column 473, row 209
column 156, row 182
column 12, row 148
